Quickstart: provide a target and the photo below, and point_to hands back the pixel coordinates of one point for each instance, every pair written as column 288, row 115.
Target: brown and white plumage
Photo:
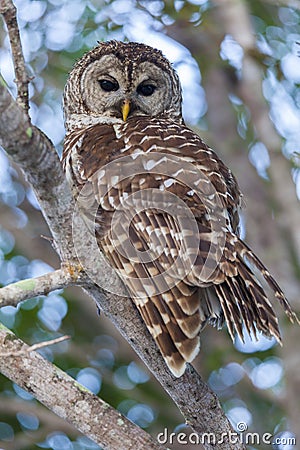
column 167, row 207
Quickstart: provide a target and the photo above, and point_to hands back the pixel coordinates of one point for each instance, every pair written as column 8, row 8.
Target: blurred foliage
column 55, row 33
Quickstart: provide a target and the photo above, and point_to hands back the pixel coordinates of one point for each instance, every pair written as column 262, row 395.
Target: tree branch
column 9, row 12
column 64, row 396
column 22, row 290
column 37, row 158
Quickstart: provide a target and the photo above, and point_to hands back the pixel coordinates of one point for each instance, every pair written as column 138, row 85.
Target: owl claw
column 74, row 270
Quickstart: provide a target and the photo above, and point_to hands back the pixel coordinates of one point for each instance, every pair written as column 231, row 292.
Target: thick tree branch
column 37, row 157
column 71, row 401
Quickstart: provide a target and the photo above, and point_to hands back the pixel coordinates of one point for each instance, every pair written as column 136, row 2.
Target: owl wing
column 168, row 222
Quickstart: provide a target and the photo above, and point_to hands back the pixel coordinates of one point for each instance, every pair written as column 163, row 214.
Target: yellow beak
column 125, row 109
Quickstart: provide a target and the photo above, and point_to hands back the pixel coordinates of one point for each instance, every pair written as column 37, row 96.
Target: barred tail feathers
column 244, row 301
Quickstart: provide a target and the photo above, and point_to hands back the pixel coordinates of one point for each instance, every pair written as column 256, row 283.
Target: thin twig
column 37, row 346
column 9, row 12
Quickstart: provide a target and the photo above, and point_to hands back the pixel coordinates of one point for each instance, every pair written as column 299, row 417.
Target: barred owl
column 163, row 206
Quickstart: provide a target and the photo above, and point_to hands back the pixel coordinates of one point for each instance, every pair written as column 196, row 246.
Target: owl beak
column 125, row 109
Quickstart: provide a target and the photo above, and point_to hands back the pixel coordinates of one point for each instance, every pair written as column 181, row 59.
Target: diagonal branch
column 67, row 398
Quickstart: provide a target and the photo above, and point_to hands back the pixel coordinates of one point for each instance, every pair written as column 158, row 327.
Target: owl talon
column 74, row 270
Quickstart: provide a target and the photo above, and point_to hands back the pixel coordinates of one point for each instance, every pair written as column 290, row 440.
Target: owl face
column 121, row 80
column 108, row 85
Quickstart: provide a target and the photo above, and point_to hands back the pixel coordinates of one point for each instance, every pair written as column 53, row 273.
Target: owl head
column 121, row 80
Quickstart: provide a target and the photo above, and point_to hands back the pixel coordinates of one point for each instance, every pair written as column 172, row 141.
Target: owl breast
column 145, row 153
column 155, row 188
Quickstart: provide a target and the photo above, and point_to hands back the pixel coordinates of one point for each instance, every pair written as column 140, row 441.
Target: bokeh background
column 239, row 66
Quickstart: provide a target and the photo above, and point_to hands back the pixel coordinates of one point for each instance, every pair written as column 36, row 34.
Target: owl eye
column 145, row 89
column 108, row 85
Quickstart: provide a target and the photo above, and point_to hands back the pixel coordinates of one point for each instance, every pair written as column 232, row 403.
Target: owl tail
column 175, row 332
column 244, row 301
column 175, row 319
